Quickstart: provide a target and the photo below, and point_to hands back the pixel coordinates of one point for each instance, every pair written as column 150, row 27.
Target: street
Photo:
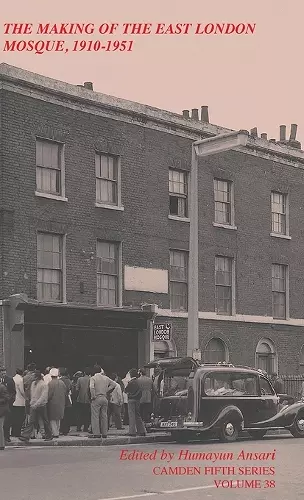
column 274, row 470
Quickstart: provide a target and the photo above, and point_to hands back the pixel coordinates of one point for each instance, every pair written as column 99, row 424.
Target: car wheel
column 228, row 432
column 180, row 437
column 258, row 434
column 297, row 430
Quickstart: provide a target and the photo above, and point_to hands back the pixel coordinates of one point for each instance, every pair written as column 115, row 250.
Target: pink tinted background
column 246, row 81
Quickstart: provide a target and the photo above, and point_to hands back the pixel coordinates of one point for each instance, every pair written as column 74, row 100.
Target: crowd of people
column 49, row 403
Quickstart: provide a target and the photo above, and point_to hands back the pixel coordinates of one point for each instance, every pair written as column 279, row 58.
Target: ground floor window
column 216, row 351
column 266, row 356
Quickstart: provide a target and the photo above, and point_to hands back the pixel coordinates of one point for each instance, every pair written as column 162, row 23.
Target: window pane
column 224, row 384
column 278, row 213
column 222, row 200
column 222, row 213
column 49, row 267
column 223, row 285
column 178, row 296
column 178, row 193
column 106, row 168
column 178, row 280
column 279, row 305
column 107, row 273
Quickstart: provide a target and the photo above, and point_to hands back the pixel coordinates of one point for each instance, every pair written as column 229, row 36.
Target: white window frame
column 111, row 206
column 186, row 255
column 286, row 271
column 185, row 196
column 63, row 270
column 52, row 196
column 118, row 246
column 232, row 287
column 278, row 234
column 216, row 223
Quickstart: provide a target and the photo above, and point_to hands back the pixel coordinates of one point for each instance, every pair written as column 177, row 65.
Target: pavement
column 115, row 437
column 270, row 469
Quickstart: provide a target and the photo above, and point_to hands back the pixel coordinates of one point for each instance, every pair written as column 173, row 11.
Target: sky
column 246, row 80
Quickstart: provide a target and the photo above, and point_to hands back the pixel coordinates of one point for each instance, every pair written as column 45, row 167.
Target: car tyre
column 297, row 430
column 229, row 432
column 257, row 434
column 180, row 437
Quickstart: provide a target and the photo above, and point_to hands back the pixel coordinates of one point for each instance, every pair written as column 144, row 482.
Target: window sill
column 110, row 207
column 283, row 236
column 52, row 302
column 225, row 226
column 50, row 196
column 182, row 219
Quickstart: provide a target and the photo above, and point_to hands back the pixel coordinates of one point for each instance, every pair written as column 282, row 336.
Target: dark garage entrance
column 75, row 337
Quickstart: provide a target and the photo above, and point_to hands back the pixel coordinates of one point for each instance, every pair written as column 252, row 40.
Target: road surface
column 223, row 471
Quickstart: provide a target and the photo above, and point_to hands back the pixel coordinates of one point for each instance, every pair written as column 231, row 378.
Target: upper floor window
column 107, row 179
column 223, row 200
column 178, row 280
column 107, row 273
column 279, row 291
column 223, row 285
column 49, row 167
column 50, row 267
column 279, row 223
column 178, row 193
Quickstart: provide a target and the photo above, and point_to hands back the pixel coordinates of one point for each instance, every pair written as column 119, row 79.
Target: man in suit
column 9, row 383
column 146, row 387
column 83, row 401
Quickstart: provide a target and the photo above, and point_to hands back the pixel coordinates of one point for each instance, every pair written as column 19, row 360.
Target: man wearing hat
column 37, row 408
column 57, row 391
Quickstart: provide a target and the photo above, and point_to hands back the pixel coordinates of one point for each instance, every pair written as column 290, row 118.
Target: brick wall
column 241, row 339
column 143, row 227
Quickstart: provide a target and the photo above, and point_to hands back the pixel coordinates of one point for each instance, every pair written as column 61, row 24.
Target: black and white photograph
column 151, row 250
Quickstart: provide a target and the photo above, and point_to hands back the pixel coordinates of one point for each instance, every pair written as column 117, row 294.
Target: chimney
column 194, row 114
column 293, row 143
column 293, row 132
column 88, row 85
column 204, row 114
column 282, row 133
column 254, row 132
column 264, row 136
column 272, row 140
column 186, row 113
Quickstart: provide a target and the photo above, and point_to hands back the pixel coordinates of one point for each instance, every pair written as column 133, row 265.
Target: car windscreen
column 175, row 382
column 230, row 384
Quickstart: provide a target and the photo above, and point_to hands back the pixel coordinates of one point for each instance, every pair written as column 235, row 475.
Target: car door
column 268, row 405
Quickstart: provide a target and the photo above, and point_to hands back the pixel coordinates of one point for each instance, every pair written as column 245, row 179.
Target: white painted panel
column 146, row 280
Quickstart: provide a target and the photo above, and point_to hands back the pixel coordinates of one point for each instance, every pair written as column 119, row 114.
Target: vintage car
column 221, row 400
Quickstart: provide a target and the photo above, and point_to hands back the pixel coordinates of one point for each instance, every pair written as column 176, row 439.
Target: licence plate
column 168, row 424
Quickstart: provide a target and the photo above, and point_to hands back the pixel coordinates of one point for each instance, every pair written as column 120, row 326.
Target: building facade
column 94, row 227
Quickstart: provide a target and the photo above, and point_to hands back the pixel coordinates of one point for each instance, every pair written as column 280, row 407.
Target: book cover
column 151, row 243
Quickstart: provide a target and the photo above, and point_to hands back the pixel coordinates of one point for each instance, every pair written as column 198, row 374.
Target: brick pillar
column 12, row 332
column 2, row 357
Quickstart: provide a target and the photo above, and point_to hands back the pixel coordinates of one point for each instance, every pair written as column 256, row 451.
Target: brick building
column 94, row 233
